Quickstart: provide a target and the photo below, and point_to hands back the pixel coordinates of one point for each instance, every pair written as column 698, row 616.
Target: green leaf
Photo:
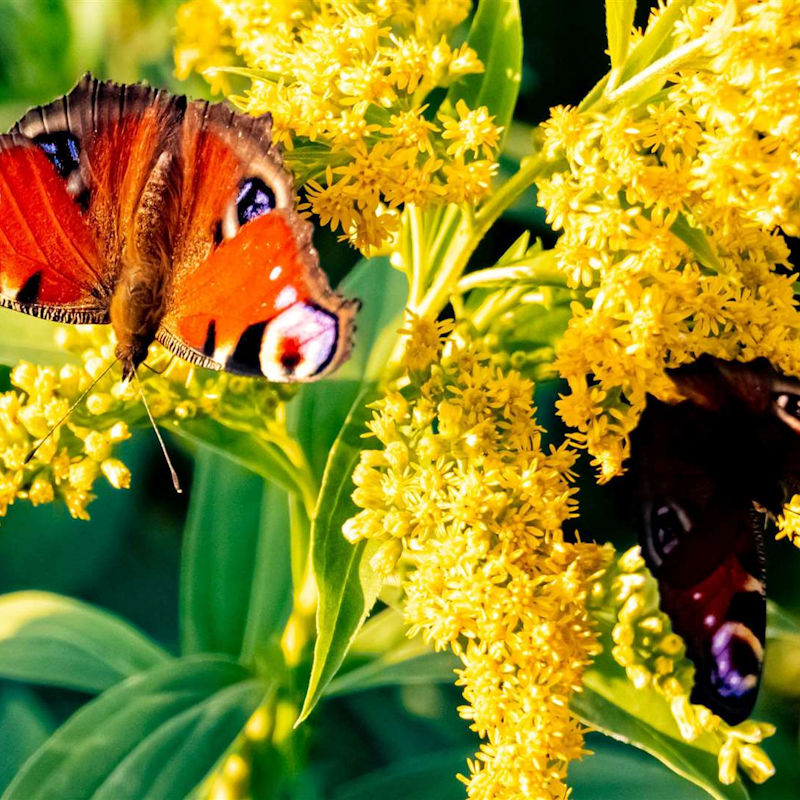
column 347, row 587
column 496, row 36
column 235, row 578
column 619, row 23
column 319, row 411
column 27, row 338
column 263, row 458
column 412, row 664
column 616, row 772
column 24, row 726
column 54, row 640
column 270, row 600
column 154, row 737
column 656, row 42
column 431, row 777
column 698, row 242
column 611, row 704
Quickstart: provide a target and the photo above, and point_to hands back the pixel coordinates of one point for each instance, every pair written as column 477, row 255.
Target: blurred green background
column 126, row 559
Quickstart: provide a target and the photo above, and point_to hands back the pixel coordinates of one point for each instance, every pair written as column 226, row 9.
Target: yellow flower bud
column 99, row 403
column 117, row 474
column 82, row 474
column 728, row 761
column 41, row 490
column 97, row 445
column 755, row 763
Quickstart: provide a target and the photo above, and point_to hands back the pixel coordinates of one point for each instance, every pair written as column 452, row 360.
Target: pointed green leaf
column 235, row 563
column 347, row 587
column 697, row 240
column 25, row 723
column 612, row 705
column 496, row 36
column 619, row 25
column 319, row 411
column 259, row 456
column 154, row 737
column 54, row 640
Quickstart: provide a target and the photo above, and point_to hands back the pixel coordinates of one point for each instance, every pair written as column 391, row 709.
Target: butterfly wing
column 702, row 540
column 50, row 265
column 247, row 293
column 72, row 175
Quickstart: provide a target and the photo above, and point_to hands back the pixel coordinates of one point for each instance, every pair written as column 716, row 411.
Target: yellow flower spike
column 116, row 473
column 488, row 574
column 340, row 72
column 720, row 145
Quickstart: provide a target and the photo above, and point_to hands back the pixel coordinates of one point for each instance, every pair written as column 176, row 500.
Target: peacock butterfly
column 174, row 221
column 710, row 470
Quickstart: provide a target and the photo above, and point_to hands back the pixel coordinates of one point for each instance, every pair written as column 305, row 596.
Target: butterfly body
column 710, row 470
column 172, row 220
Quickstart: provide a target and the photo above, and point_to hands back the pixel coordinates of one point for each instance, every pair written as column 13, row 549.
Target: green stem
column 538, row 269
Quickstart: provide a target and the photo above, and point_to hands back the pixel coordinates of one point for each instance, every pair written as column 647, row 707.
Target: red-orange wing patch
column 49, row 262
column 247, row 293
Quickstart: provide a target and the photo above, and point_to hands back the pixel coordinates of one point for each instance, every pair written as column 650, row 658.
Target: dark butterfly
column 710, row 471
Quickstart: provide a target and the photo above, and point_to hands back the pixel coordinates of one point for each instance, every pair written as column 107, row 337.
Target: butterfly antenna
column 67, row 415
column 175, row 482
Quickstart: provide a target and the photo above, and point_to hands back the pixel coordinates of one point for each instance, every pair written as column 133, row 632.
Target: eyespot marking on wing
column 299, row 343
column 254, row 198
column 787, row 407
column 667, row 523
column 62, row 150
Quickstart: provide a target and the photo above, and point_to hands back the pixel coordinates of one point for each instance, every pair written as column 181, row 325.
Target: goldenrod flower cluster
column 347, row 86
column 654, row 657
column 462, row 493
column 66, row 466
column 669, row 211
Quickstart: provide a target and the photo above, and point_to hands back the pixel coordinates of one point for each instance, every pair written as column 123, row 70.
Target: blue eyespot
column 254, row 199
column 63, row 150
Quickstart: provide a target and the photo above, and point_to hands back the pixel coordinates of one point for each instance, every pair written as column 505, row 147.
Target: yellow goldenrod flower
column 69, row 462
column 669, row 213
column 346, row 84
column 462, row 492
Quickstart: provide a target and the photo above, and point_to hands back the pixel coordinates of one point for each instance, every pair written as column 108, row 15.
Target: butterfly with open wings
column 710, row 471
column 174, row 221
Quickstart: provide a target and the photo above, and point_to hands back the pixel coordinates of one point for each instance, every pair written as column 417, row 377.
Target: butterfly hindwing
column 701, row 541
column 247, row 293
column 711, row 470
